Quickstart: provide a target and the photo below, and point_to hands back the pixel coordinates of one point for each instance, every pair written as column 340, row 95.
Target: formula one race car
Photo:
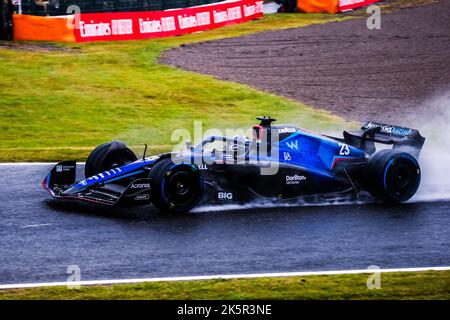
column 279, row 163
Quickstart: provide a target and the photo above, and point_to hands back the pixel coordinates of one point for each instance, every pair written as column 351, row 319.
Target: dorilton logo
column 295, row 179
column 140, row 186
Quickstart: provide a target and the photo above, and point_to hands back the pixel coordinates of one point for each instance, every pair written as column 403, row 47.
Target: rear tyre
column 108, row 156
column 393, row 176
column 176, row 188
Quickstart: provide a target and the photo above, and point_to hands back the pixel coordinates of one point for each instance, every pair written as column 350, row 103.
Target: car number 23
column 344, row 149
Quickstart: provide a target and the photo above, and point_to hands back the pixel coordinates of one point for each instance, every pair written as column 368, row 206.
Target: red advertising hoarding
column 154, row 24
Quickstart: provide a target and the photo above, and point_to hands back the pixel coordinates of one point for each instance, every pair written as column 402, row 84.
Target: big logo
column 225, row 196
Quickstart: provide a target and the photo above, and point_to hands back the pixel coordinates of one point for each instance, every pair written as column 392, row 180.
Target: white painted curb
column 212, row 277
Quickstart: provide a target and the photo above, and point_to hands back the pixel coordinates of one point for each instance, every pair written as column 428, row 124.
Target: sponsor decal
column 295, row 179
column 225, row 195
column 203, row 166
column 141, row 197
column 140, row 186
column 389, row 129
column 286, row 130
column 401, row 131
column 293, row 145
column 151, row 24
column 61, row 168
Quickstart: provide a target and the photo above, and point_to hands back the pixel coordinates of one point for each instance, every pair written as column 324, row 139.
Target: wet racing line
column 41, row 237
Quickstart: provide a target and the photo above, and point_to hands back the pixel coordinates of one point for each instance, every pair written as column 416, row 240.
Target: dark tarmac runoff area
column 40, row 237
column 343, row 67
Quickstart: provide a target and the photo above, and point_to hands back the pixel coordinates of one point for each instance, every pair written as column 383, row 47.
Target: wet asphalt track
column 40, row 238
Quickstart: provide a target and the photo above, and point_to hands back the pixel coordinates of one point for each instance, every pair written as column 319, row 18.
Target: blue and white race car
column 278, row 164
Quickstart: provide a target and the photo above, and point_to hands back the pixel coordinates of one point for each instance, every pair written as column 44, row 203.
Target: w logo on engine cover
column 293, row 145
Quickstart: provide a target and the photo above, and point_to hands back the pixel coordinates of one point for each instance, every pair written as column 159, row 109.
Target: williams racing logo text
column 389, row 129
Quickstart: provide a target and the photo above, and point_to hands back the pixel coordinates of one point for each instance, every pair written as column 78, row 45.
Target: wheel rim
column 403, row 179
column 181, row 187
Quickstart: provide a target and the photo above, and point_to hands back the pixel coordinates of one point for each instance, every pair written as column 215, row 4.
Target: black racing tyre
column 176, row 188
column 108, row 156
column 393, row 176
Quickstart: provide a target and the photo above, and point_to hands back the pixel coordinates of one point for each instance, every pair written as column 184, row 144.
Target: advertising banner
column 111, row 26
column 153, row 24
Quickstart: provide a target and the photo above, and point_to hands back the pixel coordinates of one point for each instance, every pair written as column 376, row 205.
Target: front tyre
column 176, row 188
column 108, row 156
column 393, row 176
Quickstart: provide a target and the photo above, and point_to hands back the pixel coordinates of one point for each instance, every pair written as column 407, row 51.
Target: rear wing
column 405, row 139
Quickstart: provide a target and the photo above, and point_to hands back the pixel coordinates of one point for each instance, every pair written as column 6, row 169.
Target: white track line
column 212, row 277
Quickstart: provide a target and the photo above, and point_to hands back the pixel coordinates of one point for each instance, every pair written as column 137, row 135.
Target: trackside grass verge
column 406, row 285
column 58, row 101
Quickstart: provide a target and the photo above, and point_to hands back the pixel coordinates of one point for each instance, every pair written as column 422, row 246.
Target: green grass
column 411, row 285
column 60, row 104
